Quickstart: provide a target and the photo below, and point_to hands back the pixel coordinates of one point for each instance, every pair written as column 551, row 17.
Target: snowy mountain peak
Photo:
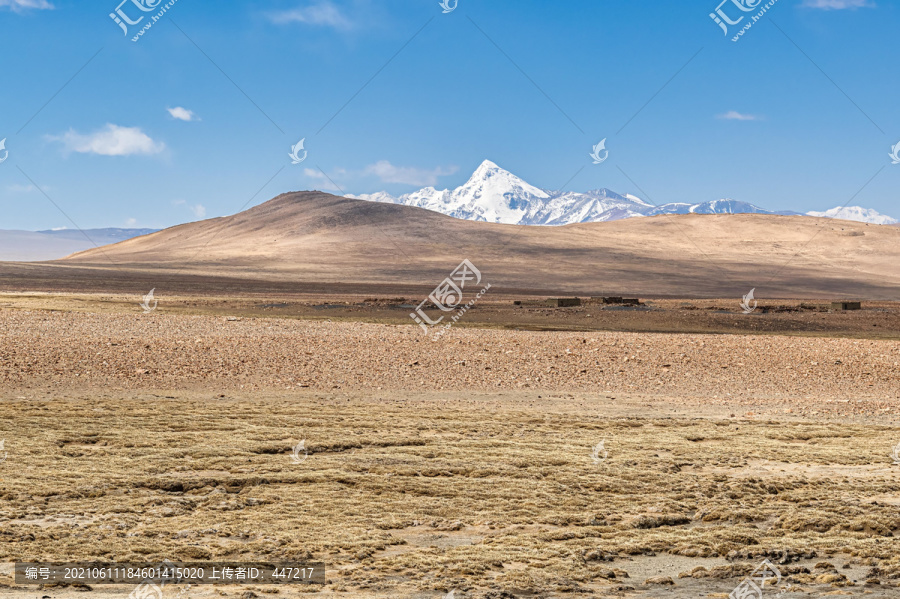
column 856, row 213
column 725, row 206
column 486, row 166
column 495, row 195
column 491, row 178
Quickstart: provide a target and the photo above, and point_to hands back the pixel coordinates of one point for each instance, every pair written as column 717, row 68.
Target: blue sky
column 198, row 116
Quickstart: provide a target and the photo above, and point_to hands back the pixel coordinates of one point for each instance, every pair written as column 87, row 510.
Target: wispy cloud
column 21, row 5
column 323, row 13
column 734, row 115
column 321, row 179
column 199, row 210
column 408, row 175
column 112, row 140
column 837, row 4
column 17, row 188
column 383, row 170
column 182, row 114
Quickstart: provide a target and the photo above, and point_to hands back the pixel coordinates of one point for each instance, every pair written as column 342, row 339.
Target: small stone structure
column 625, row 301
column 846, row 306
column 564, row 302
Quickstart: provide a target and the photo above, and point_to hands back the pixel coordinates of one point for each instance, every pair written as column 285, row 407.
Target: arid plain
column 466, row 464
column 660, row 450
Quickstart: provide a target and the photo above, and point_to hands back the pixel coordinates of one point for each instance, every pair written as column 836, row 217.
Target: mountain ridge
column 322, row 239
column 493, row 194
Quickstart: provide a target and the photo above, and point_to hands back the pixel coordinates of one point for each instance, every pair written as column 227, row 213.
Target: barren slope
column 314, row 236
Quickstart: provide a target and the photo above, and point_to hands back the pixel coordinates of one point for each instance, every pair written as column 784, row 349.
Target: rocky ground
column 42, row 352
column 492, row 463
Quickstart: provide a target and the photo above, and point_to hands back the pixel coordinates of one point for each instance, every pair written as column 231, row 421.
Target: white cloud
column 182, row 114
column 199, row 210
column 837, row 4
column 321, row 179
column 112, row 140
column 20, row 5
column 16, row 188
column 408, row 175
column 323, row 13
column 130, row 222
column 384, row 170
column 734, row 115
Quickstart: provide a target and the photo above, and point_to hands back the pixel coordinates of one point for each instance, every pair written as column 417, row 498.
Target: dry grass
column 411, row 493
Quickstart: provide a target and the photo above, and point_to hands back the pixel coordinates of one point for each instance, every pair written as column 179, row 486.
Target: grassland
column 404, row 494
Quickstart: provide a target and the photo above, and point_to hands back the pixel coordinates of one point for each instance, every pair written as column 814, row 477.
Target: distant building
column 846, row 306
column 564, row 302
column 627, row 301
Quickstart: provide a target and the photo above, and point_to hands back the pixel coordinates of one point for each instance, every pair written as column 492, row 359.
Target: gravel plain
column 468, row 463
column 794, row 375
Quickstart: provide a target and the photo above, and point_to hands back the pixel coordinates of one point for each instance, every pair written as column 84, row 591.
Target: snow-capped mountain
column 711, row 207
column 495, row 195
column 857, row 213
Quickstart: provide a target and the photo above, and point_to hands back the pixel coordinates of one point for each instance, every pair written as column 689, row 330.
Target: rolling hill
column 318, row 237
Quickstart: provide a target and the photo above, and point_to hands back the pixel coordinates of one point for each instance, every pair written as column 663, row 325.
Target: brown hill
column 321, row 238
